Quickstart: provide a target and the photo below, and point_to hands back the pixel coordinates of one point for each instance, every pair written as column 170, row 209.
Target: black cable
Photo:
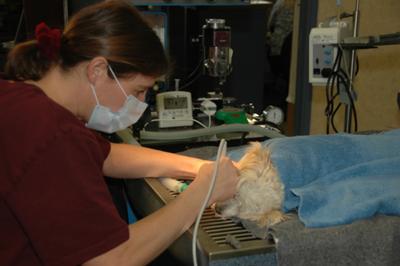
column 201, row 63
column 344, row 74
column 330, row 105
column 333, row 116
column 344, row 79
column 191, row 82
column 352, row 109
column 331, row 113
column 352, row 106
column 187, row 79
column 328, row 95
column 329, row 90
column 339, row 77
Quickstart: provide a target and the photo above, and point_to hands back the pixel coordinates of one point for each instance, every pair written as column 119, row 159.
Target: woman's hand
column 226, row 182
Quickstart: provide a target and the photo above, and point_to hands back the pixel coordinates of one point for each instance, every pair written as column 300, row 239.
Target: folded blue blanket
column 336, row 179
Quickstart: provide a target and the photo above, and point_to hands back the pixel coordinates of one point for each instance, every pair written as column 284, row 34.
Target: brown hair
column 112, row 29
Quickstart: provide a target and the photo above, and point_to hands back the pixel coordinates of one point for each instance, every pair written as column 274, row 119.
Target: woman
column 54, row 205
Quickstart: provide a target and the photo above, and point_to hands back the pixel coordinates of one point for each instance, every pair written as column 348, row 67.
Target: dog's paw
column 272, row 217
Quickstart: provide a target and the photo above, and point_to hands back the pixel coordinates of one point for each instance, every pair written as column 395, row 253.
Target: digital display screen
column 175, row 103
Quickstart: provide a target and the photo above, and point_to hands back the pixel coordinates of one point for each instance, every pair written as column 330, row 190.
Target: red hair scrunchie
column 49, row 41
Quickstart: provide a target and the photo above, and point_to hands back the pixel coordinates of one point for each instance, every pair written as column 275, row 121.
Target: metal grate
column 217, row 238
column 218, row 228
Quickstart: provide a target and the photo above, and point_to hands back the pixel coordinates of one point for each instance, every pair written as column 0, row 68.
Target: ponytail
column 32, row 59
column 25, row 62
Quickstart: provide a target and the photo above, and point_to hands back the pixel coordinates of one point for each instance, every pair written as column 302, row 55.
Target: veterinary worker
column 55, row 208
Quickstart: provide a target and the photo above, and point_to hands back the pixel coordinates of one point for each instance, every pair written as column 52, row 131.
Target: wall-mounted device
column 174, row 109
column 323, row 45
column 217, row 49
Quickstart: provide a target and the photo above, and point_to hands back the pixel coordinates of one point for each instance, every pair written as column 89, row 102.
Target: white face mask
column 103, row 119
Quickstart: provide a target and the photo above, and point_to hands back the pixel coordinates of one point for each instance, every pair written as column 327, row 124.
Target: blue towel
column 337, row 179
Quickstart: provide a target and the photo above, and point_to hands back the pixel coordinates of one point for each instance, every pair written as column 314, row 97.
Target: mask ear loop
column 94, row 93
column 119, row 84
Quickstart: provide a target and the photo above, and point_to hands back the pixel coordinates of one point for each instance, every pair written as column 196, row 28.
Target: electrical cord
column 331, row 110
column 187, row 84
column 188, row 80
column 347, row 88
column 330, row 97
column 338, row 81
column 333, row 115
column 346, row 74
column 346, row 63
column 221, row 152
column 195, row 70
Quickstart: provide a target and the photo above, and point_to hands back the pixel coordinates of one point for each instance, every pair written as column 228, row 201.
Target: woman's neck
column 63, row 88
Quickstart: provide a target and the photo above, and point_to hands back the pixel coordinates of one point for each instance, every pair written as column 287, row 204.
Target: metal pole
column 66, row 12
column 307, row 20
column 348, row 110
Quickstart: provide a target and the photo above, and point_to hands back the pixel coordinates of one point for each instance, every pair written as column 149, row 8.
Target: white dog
column 260, row 192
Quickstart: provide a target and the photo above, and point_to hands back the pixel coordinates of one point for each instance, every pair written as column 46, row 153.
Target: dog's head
column 259, row 191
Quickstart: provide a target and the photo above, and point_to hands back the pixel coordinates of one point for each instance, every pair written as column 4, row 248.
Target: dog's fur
column 260, row 192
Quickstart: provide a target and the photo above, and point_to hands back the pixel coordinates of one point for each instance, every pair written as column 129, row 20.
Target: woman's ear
column 97, row 69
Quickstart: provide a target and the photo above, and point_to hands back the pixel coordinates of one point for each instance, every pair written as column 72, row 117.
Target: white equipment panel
column 323, row 46
column 174, row 109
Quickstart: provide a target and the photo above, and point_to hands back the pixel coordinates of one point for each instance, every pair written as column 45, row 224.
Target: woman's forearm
column 129, row 161
column 151, row 235
column 154, row 233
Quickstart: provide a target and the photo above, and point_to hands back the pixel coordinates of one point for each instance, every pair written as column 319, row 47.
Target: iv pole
column 348, row 108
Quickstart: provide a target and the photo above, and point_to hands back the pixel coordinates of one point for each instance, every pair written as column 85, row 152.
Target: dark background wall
column 18, row 19
column 10, row 13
